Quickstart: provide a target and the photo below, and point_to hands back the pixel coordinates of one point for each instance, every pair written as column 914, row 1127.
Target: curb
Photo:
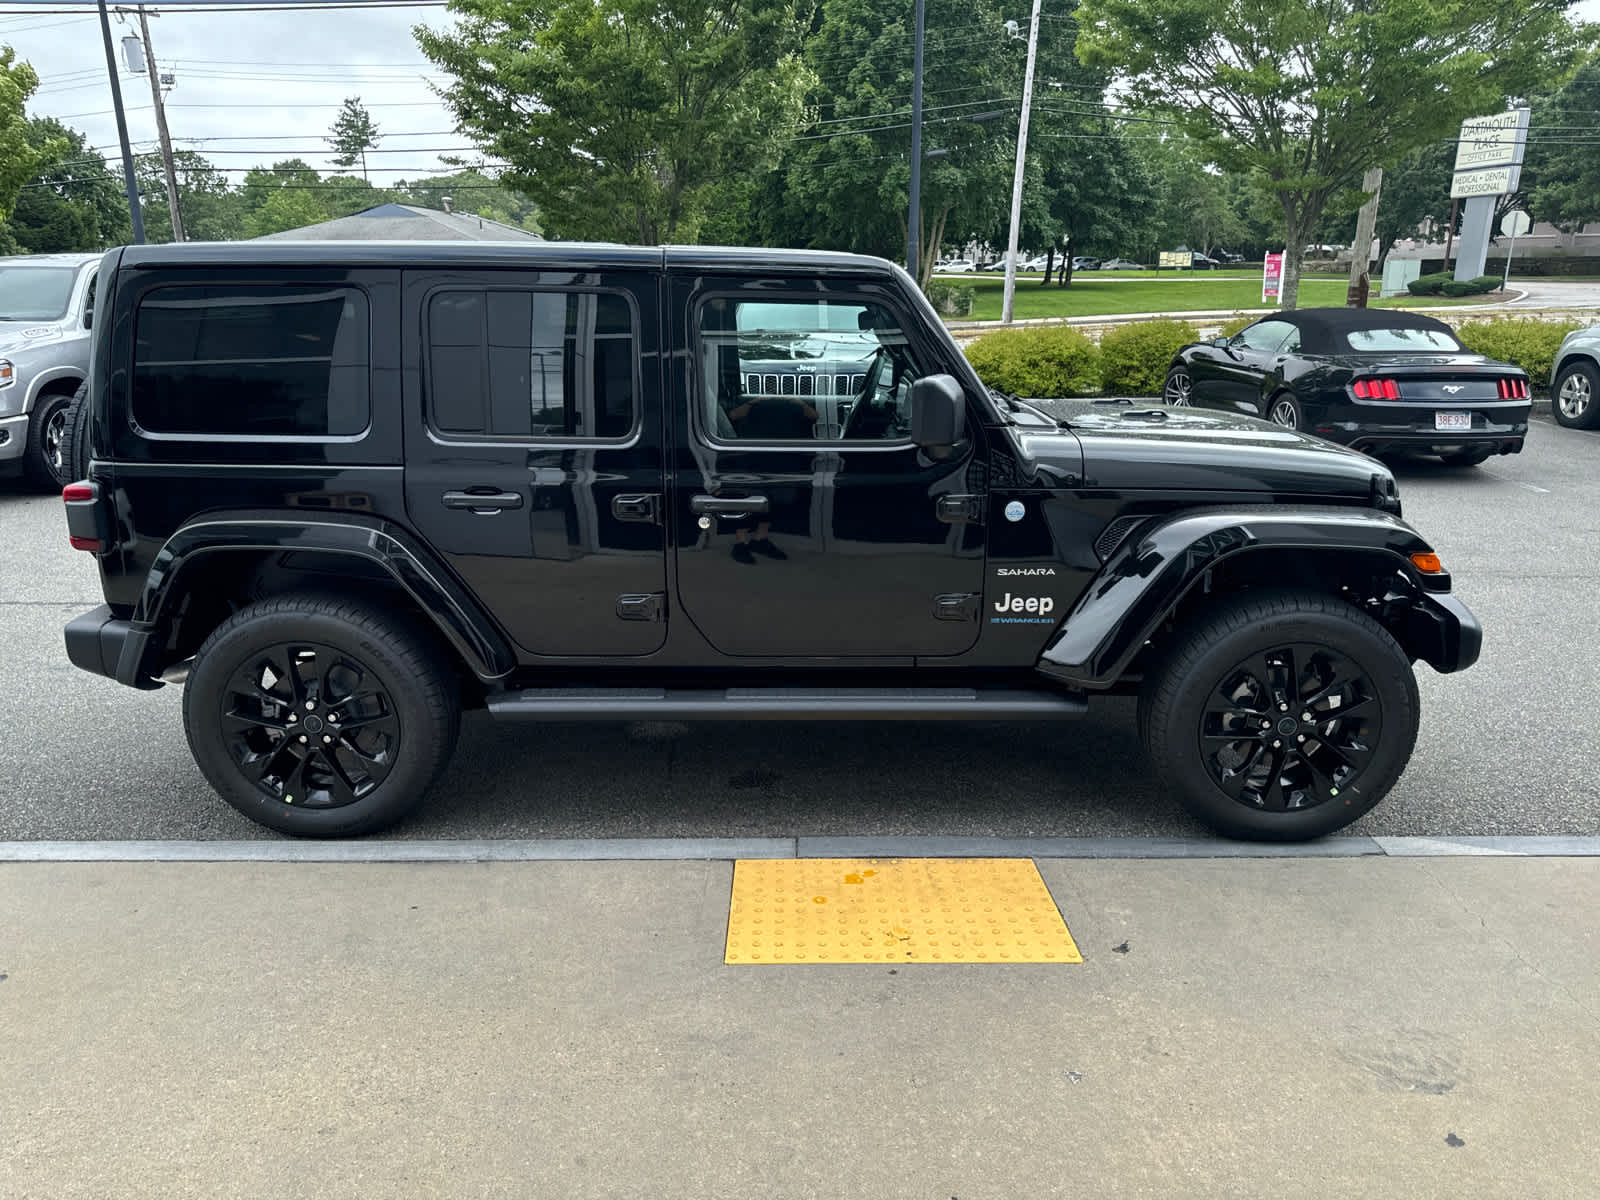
column 728, row 849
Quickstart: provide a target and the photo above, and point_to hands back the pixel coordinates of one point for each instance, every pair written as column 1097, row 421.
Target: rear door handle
column 728, row 506
column 482, row 501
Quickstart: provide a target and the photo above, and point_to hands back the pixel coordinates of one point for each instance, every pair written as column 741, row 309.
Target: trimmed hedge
column 1045, row 362
column 1523, row 342
column 1134, row 359
column 1429, row 285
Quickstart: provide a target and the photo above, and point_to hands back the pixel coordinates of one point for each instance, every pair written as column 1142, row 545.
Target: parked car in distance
column 1575, row 380
column 1121, row 264
column 1228, row 256
column 1201, row 262
column 46, row 309
column 955, row 266
column 1037, row 263
column 1085, row 262
column 327, row 494
column 1375, row 379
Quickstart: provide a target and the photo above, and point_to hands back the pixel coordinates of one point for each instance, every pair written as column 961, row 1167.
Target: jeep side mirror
column 938, row 411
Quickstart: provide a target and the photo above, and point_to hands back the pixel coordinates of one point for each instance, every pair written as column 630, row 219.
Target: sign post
column 1514, row 224
column 1272, row 278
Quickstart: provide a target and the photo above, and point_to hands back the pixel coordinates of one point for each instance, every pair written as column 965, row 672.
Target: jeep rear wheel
column 1282, row 716
column 319, row 717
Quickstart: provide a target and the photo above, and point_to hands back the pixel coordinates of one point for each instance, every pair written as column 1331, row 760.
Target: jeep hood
column 1147, row 446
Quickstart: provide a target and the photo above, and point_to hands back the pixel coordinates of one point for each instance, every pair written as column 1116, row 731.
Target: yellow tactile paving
column 931, row 910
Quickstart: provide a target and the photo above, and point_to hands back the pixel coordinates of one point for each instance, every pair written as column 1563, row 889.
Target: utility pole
column 129, row 182
column 913, row 218
column 1016, row 178
column 1366, row 225
column 161, row 128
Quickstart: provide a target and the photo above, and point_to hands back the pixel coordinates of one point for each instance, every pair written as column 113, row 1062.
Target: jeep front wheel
column 318, row 716
column 1282, row 716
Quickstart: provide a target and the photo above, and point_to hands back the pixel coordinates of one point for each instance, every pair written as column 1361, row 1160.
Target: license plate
column 1452, row 420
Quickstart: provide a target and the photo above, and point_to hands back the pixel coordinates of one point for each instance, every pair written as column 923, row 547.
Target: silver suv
column 46, row 306
column 1575, row 380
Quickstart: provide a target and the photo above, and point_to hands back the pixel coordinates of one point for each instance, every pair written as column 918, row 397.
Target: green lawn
column 1091, row 294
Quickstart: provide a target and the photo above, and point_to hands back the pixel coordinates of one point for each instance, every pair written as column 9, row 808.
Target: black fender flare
column 1150, row 573
column 394, row 551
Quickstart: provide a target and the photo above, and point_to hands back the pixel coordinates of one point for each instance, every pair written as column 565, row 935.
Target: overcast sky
column 251, row 87
column 255, row 87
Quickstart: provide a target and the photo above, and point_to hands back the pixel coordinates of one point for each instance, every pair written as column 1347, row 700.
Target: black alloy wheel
column 320, row 716
column 1178, row 390
column 45, row 459
column 310, row 725
column 1280, row 715
column 1290, row 728
column 1573, row 400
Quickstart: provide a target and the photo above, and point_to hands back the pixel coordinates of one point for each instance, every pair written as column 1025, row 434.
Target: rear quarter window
column 252, row 361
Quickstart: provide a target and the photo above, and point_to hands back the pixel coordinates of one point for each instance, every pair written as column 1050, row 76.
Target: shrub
column 1523, row 342
column 1134, row 359
column 1429, row 285
column 1455, row 287
column 951, row 299
column 1045, row 362
column 1485, row 283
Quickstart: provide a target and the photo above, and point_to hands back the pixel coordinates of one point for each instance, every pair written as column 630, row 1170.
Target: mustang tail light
column 1512, row 389
column 1376, row 389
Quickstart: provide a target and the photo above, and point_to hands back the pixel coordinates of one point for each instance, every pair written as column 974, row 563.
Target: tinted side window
column 1265, row 336
column 254, row 360
column 790, row 370
column 531, row 364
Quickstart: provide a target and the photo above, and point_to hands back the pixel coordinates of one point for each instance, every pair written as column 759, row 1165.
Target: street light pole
column 913, row 218
column 1016, row 179
column 122, row 130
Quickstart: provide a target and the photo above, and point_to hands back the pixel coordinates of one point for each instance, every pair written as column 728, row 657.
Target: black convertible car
column 1374, row 379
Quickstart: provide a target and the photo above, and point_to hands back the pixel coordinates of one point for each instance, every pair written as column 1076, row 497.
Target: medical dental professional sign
column 1272, row 278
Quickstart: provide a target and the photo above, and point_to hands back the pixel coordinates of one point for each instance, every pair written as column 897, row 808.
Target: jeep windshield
column 34, row 293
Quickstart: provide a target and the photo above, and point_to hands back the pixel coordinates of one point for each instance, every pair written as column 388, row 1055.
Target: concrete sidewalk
column 1272, row 1027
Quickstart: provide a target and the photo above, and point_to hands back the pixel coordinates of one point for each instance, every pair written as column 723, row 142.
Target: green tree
column 287, row 195
column 617, row 116
column 1562, row 173
column 846, row 178
column 19, row 159
column 353, row 134
column 213, row 210
column 74, row 202
column 1309, row 95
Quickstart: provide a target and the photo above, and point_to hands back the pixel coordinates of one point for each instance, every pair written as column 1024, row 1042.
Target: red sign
column 1272, row 278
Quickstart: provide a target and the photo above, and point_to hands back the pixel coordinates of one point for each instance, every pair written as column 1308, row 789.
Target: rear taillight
column 1376, row 389
column 1512, row 389
column 86, row 521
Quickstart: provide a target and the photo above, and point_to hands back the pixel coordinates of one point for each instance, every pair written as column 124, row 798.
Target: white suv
column 46, row 306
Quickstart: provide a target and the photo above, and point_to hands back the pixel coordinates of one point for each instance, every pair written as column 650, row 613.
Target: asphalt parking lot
column 1503, row 748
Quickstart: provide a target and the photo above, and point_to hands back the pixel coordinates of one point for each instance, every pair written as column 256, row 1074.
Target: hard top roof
column 527, row 255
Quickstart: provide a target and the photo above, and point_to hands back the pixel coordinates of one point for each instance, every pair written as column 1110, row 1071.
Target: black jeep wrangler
column 347, row 491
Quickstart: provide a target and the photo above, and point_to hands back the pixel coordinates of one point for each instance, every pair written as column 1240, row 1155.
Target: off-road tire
column 75, row 450
column 388, row 654
column 1183, row 691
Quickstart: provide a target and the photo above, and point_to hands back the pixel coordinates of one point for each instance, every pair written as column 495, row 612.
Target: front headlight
column 8, row 373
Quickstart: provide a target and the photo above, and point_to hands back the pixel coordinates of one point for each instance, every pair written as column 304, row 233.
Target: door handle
column 637, row 508
column 485, row 501
column 728, row 506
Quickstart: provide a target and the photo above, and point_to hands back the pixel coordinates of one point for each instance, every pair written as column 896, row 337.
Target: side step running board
column 785, row 704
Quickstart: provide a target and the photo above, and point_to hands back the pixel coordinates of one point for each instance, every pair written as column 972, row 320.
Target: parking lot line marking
column 894, row 910
column 1531, row 487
